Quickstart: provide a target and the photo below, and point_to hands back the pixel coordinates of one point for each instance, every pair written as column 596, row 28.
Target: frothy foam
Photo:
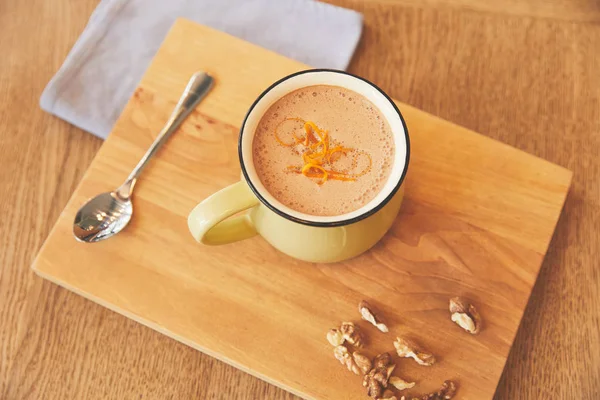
column 352, row 121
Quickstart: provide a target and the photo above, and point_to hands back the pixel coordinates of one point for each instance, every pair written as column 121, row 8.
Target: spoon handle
column 199, row 85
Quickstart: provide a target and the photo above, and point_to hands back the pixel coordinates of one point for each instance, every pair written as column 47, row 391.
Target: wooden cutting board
column 477, row 221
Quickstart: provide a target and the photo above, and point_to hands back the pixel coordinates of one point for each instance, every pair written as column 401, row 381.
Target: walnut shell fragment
column 465, row 315
column 335, row 337
column 366, row 312
column 352, row 334
column 408, row 348
column 342, row 355
column 363, row 362
column 400, row 384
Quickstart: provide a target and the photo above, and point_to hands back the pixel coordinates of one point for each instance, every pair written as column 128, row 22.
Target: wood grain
column 569, row 10
column 478, row 218
column 532, row 83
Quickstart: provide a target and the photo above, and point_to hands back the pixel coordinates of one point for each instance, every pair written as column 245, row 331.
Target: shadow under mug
column 306, row 237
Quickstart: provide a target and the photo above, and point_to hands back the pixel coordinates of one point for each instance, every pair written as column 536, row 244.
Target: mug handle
column 209, row 221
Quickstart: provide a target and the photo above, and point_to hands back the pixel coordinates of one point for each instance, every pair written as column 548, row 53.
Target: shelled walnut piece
column 377, row 375
column 383, row 360
column 352, row 334
column 342, row 355
column 363, row 362
column 335, row 337
column 446, row 392
column 408, row 348
column 376, row 380
column 400, row 384
column 366, row 312
column 465, row 315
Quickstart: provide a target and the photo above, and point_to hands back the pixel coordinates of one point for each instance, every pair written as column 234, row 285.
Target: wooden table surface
column 526, row 72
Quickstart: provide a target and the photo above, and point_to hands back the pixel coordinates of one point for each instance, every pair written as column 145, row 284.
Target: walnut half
column 465, row 315
column 367, row 314
column 342, row 355
column 408, row 348
column 376, row 380
column 352, row 334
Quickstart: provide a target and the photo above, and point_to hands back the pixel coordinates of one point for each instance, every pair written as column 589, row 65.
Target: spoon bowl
column 102, row 217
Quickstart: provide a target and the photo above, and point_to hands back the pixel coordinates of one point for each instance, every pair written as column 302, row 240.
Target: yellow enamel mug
column 306, row 237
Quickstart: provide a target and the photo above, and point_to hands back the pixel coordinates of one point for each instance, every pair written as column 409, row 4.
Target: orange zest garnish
column 318, row 154
column 307, row 169
column 297, row 139
column 355, row 163
column 279, row 140
column 338, row 149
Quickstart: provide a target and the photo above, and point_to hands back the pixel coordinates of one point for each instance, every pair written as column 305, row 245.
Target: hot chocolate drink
column 323, row 150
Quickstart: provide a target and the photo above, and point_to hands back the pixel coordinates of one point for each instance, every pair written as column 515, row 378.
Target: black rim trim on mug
column 334, row 223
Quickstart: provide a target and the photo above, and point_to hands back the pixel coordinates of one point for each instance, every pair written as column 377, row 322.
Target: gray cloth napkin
column 106, row 63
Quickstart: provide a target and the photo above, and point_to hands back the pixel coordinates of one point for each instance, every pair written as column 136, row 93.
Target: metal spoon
column 108, row 213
